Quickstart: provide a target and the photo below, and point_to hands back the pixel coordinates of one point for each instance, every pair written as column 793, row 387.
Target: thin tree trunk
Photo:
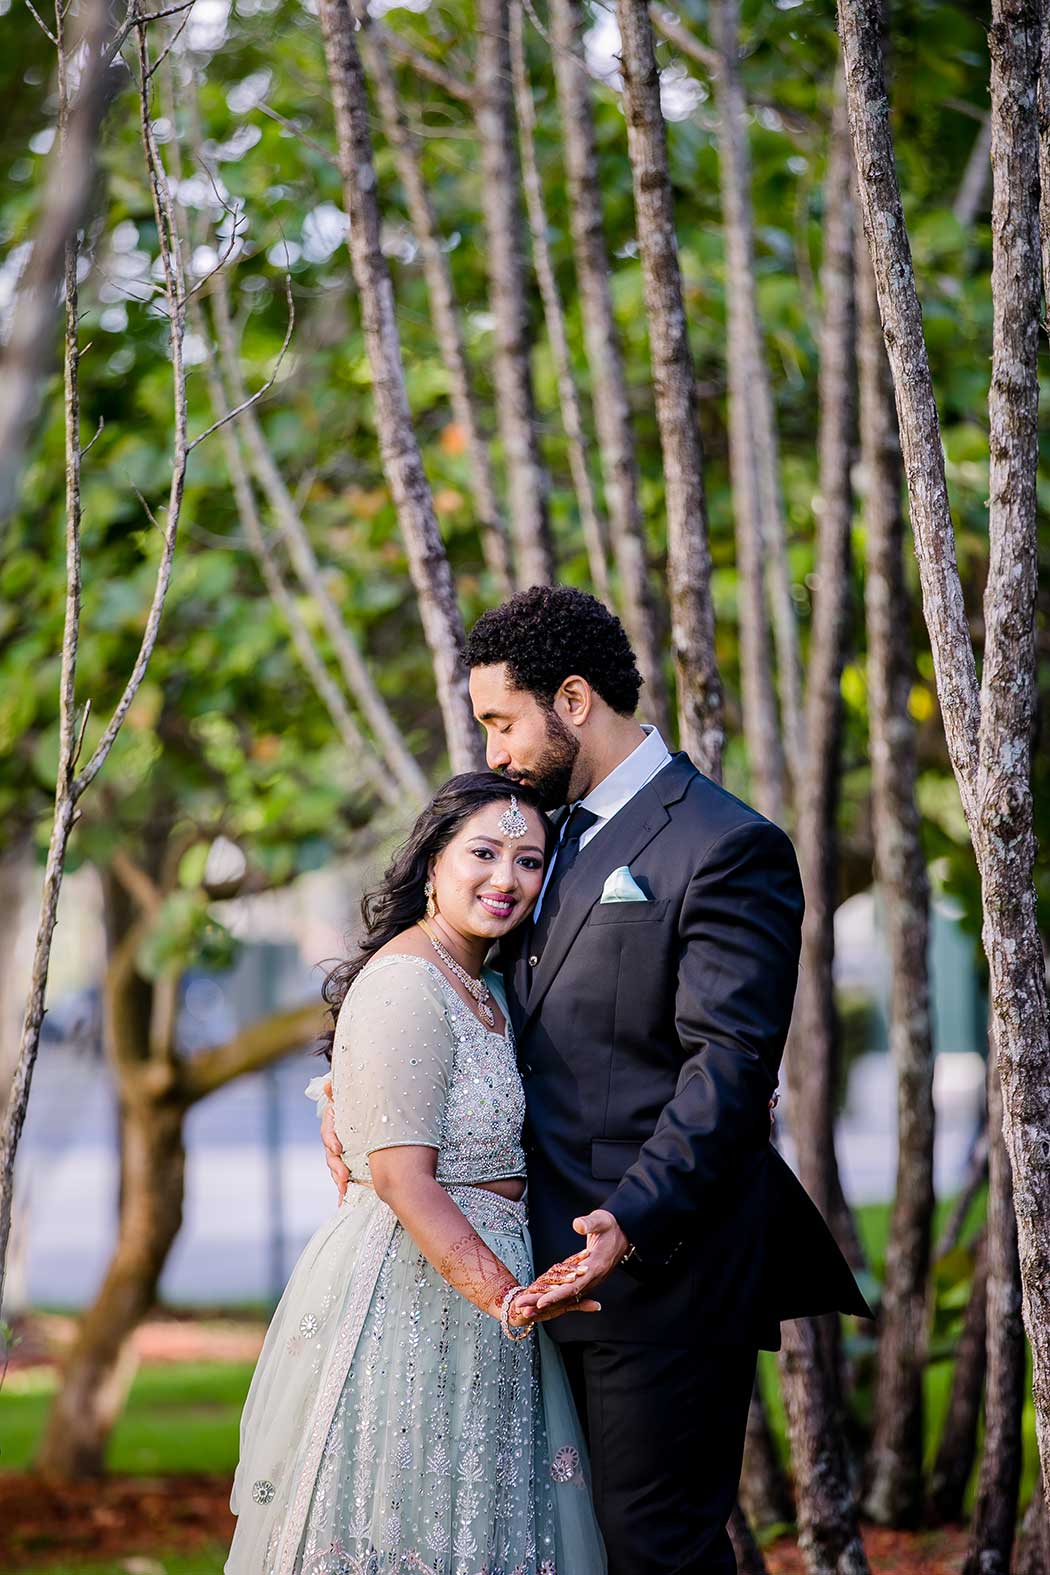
column 405, row 774
column 988, row 729
column 612, row 407
column 895, row 1487
column 755, row 455
column 402, row 462
column 1043, row 111
column 508, row 290
column 1032, row 1550
column 826, row 1506
column 973, row 187
column 358, row 749
column 700, row 714
column 973, row 1181
column 829, row 1533
column 97, row 1373
column 995, row 1510
column 71, row 784
column 814, row 1053
column 957, row 1449
column 765, row 1493
column 594, row 531
column 745, row 362
column 443, row 305
column 401, row 773
column 67, row 197
column 155, row 1090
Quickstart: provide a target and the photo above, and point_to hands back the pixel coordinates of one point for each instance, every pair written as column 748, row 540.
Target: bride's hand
column 333, row 1147
column 526, row 1307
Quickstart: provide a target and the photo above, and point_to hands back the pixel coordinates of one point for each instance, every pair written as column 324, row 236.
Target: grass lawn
column 207, row 1561
column 180, row 1418
column 181, row 1421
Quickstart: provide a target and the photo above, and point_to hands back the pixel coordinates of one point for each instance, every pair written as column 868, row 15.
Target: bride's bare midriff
column 512, row 1188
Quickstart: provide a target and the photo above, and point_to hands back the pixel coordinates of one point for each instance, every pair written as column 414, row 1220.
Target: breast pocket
column 627, row 913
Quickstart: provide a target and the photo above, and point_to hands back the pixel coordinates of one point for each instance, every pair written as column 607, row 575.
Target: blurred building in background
column 257, row 1185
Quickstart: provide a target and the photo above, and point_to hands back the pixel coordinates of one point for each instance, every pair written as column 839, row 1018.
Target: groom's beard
column 552, row 773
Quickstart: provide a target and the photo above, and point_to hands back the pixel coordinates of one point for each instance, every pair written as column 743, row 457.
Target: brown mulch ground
column 117, row 1516
column 120, row 1515
column 890, row 1552
column 109, row 1519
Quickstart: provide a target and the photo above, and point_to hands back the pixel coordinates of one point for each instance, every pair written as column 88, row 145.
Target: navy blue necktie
column 580, row 821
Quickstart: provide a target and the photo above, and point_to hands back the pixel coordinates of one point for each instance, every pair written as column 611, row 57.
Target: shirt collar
column 623, row 782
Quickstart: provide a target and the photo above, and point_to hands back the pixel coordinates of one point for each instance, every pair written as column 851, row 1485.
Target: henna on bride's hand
column 563, row 1273
column 474, row 1270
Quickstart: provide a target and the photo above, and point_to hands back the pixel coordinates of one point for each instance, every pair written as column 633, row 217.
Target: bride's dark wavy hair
column 396, row 904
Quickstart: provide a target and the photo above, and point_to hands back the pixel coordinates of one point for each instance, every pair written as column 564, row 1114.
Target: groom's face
column 524, row 739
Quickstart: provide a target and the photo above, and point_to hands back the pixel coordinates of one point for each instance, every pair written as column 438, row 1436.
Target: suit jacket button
column 533, row 961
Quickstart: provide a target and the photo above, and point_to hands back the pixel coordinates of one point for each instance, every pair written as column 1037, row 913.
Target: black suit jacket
column 649, row 1038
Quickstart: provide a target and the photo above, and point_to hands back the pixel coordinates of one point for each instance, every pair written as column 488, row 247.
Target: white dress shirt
column 615, row 791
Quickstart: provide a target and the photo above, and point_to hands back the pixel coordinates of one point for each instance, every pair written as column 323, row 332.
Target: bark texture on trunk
column 827, row 1509
column 1043, row 111
column 1032, row 1550
column 995, row 1510
column 594, row 532
column 746, row 367
column 71, row 186
column 829, row 1532
column 402, row 462
column 443, row 305
column 700, row 714
column 957, row 1449
column 1020, row 1027
column 988, row 730
column 612, row 407
column 527, row 481
column 765, row 1493
column 895, row 1488
column 98, row 1371
column 813, row 1054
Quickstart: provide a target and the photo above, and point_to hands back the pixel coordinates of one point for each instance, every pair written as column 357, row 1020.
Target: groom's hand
column 606, row 1246
column 333, row 1148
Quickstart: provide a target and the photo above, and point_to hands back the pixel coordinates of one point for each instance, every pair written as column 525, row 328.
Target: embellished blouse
column 411, row 1063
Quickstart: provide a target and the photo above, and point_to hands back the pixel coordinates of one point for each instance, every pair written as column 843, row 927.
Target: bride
column 403, row 1416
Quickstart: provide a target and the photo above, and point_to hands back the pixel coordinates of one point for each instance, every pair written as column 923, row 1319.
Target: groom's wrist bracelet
column 628, row 1255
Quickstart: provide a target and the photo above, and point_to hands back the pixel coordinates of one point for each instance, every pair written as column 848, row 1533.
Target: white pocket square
column 621, row 886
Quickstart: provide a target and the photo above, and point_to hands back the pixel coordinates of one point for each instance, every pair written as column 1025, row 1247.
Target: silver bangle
column 504, row 1315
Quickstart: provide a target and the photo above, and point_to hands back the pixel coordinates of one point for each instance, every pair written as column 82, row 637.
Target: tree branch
column 675, row 31
column 253, row 1047
column 424, row 67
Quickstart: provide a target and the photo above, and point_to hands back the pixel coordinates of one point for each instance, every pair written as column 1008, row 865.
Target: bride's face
column 486, row 883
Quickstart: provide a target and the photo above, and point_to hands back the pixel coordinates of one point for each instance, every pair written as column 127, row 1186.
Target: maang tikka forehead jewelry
column 512, row 822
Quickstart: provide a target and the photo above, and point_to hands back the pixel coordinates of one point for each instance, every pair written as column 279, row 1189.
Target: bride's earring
column 428, row 892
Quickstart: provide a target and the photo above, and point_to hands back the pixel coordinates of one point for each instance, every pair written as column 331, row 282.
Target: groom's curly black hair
column 548, row 632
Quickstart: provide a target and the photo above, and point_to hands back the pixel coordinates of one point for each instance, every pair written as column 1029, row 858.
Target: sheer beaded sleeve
column 391, row 1060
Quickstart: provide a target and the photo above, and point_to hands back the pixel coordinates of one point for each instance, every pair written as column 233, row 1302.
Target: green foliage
column 228, row 735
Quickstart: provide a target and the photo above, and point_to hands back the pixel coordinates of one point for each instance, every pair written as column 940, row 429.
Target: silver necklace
column 476, row 987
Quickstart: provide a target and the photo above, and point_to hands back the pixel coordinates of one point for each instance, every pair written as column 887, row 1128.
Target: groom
column 650, row 997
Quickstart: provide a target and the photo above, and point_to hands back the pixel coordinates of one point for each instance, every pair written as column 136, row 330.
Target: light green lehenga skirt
column 392, row 1428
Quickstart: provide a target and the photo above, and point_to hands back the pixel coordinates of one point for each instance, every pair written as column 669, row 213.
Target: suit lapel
column 617, row 843
column 514, row 959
